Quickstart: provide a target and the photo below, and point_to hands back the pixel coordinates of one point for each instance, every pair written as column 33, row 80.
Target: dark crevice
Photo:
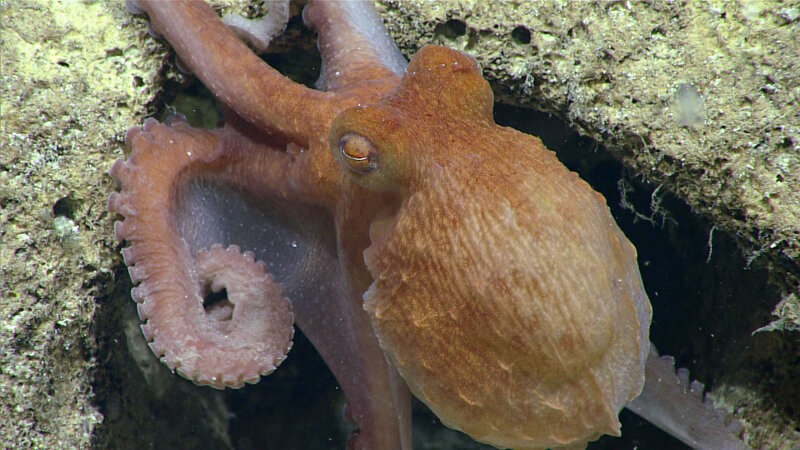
column 521, row 35
column 217, row 304
column 451, row 30
column 65, row 206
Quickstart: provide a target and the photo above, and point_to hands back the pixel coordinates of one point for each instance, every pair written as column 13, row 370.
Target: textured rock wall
column 72, row 77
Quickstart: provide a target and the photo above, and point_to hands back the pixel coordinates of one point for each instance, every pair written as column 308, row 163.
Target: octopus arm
column 226, row 344
column 675, row 405
column 207, row 211
column 354, row 44
column 231, row 71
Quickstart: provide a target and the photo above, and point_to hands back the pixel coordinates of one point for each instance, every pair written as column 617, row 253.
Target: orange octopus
column 420, row 246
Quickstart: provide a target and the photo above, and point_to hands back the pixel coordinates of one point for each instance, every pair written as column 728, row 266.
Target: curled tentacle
column 182, row 191
column 224, row 345
column 244, row 336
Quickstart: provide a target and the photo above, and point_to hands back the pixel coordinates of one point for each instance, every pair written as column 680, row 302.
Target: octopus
column 422, row 248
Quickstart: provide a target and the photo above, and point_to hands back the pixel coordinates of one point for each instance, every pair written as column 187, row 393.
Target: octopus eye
column 358, row 153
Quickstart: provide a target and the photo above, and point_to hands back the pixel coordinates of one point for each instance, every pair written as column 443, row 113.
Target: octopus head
column 503, row 291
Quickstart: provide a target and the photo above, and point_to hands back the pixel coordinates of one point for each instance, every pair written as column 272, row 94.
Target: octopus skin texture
column 420, row 247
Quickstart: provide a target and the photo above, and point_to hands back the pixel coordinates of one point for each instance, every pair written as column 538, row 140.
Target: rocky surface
column 74, row 76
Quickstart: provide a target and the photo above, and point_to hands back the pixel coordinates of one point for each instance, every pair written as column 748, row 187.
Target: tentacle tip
column 208, row 348
column 217, row 286
column 134, row 7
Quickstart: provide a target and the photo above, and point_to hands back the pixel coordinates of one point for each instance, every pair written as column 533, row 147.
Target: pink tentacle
column 242, row 338
column 173, row 263
column 675, row 405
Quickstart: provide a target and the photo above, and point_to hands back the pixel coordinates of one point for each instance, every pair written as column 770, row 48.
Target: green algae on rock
column 73, row 80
